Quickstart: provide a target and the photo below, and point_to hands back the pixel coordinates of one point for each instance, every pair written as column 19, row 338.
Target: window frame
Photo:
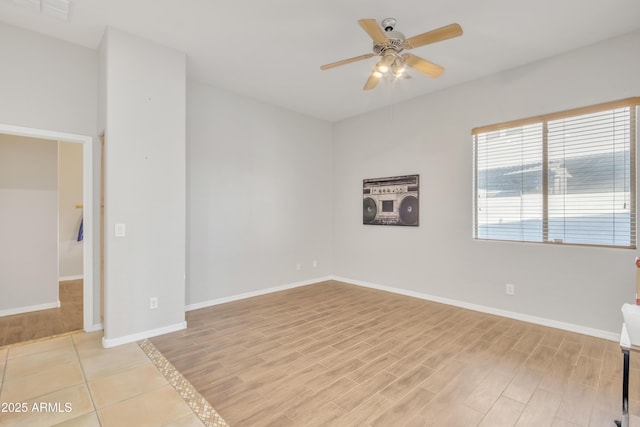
column 634, row 105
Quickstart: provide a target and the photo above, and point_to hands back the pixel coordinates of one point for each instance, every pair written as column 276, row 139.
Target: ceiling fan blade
column 372, row 81
column 347, row 61
column 438, row 35
column 422, row 65
column 373, row 29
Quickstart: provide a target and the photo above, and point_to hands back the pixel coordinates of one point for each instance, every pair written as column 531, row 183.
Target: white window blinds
column 562, row 178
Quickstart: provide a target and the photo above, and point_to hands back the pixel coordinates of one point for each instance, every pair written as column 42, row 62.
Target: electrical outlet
column 510, row 289
column 153, row 303
column 298, row 266
column 315, row 263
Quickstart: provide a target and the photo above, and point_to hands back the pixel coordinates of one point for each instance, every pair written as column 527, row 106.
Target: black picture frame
column 391, row 200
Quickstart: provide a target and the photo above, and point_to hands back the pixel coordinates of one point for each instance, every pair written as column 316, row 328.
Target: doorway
column 88, row 323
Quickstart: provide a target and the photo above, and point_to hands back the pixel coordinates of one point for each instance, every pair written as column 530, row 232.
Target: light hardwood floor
column 343, row 355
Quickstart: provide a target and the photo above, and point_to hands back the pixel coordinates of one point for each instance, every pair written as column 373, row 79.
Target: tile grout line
column 199, row 405
column 73, row 345
column 86, row 381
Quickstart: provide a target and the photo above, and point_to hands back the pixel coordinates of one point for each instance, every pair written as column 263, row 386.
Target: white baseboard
column 112, row 342
column 29, row 309
column 65, row 278
column 598, row 333
column 95, row 327
column 245, row 295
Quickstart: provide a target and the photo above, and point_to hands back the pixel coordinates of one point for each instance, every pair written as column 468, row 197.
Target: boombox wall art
column 391, row 201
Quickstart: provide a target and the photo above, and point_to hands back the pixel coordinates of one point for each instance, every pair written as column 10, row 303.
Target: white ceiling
column 272, row 50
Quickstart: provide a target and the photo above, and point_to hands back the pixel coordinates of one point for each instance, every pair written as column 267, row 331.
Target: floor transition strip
column 198, row 404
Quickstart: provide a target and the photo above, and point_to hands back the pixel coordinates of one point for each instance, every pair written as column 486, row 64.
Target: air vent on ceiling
column 57, row 8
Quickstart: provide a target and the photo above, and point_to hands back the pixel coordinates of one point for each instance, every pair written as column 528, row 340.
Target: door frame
column 87, row 201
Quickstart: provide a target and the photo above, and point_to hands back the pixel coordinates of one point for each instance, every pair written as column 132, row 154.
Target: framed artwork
column 391, row 201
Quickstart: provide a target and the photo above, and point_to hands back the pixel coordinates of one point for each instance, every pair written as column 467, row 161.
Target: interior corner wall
column 260, row 198
column 28, row 224
column 431, row 136
column 144, row 117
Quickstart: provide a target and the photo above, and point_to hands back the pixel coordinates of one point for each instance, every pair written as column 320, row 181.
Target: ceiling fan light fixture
column 389, row 45
column 386, row 62
column 398, row 66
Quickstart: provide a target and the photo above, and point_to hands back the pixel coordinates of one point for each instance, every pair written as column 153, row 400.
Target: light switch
column 121, row 230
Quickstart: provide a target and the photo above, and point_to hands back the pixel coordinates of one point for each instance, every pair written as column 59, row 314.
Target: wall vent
column 60, row 9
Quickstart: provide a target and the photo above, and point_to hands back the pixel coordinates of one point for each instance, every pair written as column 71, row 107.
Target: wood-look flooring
column 333, row 354
column 44, row 323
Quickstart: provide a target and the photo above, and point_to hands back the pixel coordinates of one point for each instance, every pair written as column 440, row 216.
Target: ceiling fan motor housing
column 396, row 40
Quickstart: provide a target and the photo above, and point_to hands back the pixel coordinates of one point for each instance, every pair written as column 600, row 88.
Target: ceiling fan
column 389, row 45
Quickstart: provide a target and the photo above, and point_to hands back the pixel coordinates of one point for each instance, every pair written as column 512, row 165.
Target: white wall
column 47, row 83
column 52, row 85
column 144, row 114
column 28, row 224
column 431, row 136
column 259, row 195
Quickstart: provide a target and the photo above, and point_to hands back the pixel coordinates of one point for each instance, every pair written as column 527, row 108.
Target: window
column 560, row 178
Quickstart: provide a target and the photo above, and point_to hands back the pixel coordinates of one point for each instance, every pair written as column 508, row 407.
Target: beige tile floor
column 72, row 381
